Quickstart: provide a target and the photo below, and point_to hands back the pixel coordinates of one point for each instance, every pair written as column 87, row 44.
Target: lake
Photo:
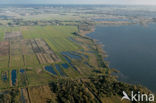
column 131, row 50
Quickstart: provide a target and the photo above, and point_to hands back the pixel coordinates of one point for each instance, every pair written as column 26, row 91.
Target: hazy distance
column 122, row 2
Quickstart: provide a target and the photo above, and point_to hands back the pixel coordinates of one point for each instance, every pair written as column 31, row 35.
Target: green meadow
column 1, row 33
column 21, row 55
column 57, row 37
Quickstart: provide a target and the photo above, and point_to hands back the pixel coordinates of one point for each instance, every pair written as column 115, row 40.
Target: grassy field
column 45, row 57
column 34, row 49
column 1, row 34
column 31, row 51
column 4, row 29
column 55, row 36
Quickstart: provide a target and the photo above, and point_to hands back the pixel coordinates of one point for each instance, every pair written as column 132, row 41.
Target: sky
column 124, row 2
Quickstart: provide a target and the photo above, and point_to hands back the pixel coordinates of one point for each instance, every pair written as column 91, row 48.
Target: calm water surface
column 131, row 50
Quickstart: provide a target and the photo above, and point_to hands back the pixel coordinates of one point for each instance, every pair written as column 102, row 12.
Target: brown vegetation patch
column 41, row 94
column 26, row 47
column 13, row 36
column 43, row 52
column 4, row 48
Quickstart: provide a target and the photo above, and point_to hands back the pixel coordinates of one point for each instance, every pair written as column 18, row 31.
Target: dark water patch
column 69, row 61
column 65, row 65
column 59, row 69
column 22, row 70
column 71, row 55
column 13, row 77
column 50, row 69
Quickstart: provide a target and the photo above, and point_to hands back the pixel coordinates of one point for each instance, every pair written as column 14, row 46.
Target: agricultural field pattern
column 24, row 52
column 34, row 56
column 46, row 57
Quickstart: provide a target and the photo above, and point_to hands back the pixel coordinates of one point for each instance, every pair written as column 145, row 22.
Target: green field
column 4, row 29
column 1, row 33
column 33, row 49
column 55, row 36
column 30, row 53
column 45, row 56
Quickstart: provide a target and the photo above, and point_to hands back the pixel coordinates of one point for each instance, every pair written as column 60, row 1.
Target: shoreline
column 104, row 54
column 98, row 45
column 100, row 51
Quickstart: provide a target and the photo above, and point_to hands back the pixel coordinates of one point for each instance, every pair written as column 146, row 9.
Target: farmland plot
column 1, row 34
column 4, row 81
column 21, row 54
column 42, row 48
column 15, row 48
column 55, row 36
column 4, row 60
column 23, row 79
column 16, row 58
column 26, row 47
column 13, row 36
column 16, row 61
column 4, row 51
column 4, row 48
column 43, row 52
column 30, row 60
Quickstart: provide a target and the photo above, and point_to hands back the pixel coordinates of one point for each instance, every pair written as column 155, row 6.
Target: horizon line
column 77, row 4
